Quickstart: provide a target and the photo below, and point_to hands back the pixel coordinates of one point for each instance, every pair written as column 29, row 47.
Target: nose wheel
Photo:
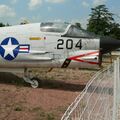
column 34, row 83
column 30, row 79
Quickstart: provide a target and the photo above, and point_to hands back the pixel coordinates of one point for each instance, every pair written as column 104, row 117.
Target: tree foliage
column 2, row 25
column 78, row 25
column 100, row 20
column 115, row 31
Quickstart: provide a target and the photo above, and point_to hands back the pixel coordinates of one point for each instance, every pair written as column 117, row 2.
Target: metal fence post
column 114, row 91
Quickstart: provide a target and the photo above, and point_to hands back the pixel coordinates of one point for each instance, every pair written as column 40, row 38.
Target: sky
column 15, row 11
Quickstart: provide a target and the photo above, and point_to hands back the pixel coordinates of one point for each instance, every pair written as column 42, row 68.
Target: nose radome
column 108, row 44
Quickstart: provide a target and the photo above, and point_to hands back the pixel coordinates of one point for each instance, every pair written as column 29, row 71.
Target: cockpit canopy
column 53, row 27
column 66, row 29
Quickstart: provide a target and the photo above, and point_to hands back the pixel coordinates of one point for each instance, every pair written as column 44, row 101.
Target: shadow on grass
column 8, row 78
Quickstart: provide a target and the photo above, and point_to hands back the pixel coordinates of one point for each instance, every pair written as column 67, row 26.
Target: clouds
column 49, row 10
column 14, row 1
column 55, row 1
column 99, row 2
column 87, row 3
column 6, row 11
column 34, row 3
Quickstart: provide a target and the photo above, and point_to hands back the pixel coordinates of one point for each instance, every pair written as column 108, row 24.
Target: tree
column 7, row 24
column 115, row 31
column 78, row 25
column 100, row 20
column 24, row 21
column 2, row 25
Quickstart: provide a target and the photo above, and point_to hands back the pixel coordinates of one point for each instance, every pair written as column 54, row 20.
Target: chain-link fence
column 100, row 98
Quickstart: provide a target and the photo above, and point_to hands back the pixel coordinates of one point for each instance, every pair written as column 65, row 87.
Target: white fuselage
column 25, row 46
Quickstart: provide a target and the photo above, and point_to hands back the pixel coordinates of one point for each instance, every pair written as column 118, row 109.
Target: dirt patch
column 57, row 90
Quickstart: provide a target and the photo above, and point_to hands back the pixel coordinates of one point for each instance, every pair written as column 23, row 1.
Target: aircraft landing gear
column 29, row 79
column 35, row 83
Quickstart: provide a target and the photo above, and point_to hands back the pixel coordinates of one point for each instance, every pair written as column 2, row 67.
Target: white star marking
column 9, row 48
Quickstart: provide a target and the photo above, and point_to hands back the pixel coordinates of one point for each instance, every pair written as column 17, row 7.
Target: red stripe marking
column 75, row 58
column 83, row 55
column 86, row 61
column 23, row 48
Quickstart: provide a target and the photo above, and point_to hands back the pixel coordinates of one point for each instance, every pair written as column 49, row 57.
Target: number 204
column 69, row 44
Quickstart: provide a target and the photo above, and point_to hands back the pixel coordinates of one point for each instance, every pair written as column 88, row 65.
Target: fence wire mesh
column 100, row 98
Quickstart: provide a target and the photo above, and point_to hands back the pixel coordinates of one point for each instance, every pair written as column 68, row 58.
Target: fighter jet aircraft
column 50, row 45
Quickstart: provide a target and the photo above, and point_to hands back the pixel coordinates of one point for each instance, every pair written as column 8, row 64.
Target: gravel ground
column 58, row 88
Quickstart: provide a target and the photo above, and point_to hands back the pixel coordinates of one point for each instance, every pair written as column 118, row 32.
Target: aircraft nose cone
column 108, row 44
